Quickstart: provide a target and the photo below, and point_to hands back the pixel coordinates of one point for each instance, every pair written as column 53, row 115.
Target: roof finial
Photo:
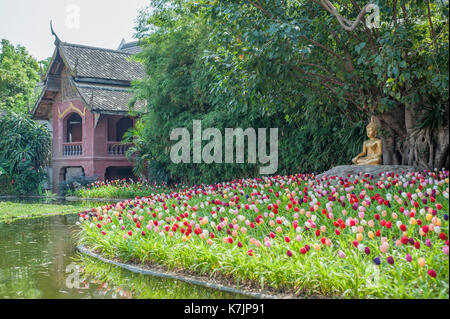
column 121, row 44
column 53, row 33
column 41, row 71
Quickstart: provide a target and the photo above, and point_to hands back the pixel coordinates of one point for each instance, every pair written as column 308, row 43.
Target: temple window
column 74, row 128
column 123, row 125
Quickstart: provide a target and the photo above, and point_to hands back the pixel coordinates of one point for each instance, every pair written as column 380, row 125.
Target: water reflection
column 35, row 255
column 133, row 285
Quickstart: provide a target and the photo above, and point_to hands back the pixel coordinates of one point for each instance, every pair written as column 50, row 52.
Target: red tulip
column 432, row 273
column 404, row 240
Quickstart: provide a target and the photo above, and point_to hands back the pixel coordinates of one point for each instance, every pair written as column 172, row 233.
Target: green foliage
column 25, row 147
column 283, row 54
column 189, row 80
column 19, row 74
column 404, row 61
column 122, row 188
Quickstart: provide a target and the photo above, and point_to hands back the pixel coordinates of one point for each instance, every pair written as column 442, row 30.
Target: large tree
column 388, row 60
column 19, row 74
column 184, row 83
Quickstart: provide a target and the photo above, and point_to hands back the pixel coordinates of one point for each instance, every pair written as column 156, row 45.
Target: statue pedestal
column 373, row 170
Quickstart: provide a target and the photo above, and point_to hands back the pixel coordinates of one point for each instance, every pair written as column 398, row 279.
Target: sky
column 101, row 23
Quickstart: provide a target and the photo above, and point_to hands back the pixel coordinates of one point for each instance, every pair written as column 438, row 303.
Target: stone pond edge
column 188, row 279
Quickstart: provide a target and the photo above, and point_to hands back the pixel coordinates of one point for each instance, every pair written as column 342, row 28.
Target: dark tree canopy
column 316, row 69
column 329, row 52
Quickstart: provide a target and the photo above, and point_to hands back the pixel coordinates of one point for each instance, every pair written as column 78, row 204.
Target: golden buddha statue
column 372, row 148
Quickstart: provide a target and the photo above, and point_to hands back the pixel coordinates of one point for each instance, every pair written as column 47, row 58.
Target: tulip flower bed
column 355, row 237
column 120, row 188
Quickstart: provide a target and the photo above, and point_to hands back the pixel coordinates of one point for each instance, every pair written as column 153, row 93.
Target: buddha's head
column 371, row 129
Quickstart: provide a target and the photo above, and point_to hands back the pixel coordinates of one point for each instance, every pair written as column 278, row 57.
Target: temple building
column 85, row 97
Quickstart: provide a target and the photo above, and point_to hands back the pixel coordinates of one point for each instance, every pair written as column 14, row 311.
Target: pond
column 39, row 259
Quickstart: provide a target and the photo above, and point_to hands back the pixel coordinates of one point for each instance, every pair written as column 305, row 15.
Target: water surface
column 38, row 259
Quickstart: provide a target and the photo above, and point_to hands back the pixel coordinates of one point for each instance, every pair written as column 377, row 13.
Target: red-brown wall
column 94, row 158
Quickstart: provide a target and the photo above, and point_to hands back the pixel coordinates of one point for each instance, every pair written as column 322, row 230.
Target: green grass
column 12, row 210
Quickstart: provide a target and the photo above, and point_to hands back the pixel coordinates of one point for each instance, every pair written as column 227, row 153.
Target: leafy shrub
column 25, row 150
column 5, row 183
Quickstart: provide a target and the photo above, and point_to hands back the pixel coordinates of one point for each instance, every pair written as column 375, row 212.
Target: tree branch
column 433, row 33
column 345, row 23
column 260, row 7
column 320, row 45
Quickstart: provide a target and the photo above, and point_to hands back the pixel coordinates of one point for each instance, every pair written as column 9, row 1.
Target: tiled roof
column 105, row 98
column 99, row 63
column 130, row 47
column 101, row 76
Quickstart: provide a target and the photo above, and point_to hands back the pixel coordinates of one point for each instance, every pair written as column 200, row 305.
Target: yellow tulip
column 371, row 234
column 421, row 262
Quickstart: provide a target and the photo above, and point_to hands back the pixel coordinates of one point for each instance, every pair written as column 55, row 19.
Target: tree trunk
column 405, row 144
column 391, row 130
column 441, row 157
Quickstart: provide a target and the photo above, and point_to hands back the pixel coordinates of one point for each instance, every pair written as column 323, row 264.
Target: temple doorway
column 119, row 172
